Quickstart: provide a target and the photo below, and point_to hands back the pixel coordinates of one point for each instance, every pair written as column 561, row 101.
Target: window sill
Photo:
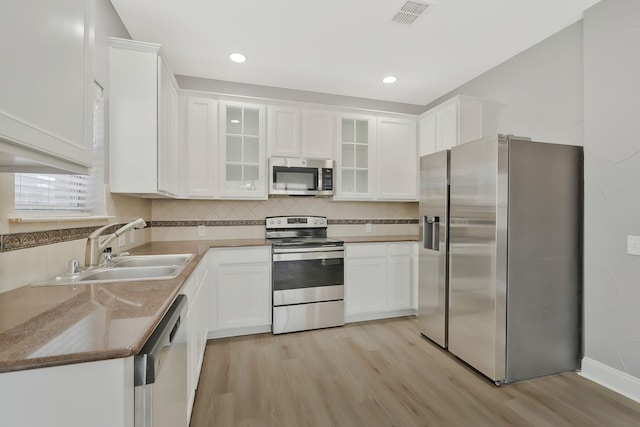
column 36, row 219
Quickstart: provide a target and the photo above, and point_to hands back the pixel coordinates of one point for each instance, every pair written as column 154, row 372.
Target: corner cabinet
column 355, row 162
column 46, row 89
column 451, row 123
column 143, row 121
column 242, row 153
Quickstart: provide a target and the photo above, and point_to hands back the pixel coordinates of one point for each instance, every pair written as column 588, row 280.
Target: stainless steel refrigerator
column 433, row 247
column 515, row 267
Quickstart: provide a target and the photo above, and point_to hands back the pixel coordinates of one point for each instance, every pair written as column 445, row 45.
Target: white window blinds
column 60, row 194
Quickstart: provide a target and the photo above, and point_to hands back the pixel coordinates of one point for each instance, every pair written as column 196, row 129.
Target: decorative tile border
column 13, row 242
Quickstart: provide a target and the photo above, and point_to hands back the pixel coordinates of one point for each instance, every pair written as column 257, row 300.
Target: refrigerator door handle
column 431, row 232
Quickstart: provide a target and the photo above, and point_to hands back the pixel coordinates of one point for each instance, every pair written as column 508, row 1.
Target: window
column 67, row 195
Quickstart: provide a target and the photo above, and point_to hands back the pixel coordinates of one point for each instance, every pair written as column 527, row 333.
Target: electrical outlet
column 132, row 235
column 633, row 245
column 122, row 240
column 202, row 231
column 368, row 227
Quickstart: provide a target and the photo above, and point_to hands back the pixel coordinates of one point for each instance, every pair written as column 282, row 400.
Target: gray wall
column 538, row 93
column 612, row 183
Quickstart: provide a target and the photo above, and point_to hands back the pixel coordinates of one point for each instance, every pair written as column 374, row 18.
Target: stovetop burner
column 299, row 231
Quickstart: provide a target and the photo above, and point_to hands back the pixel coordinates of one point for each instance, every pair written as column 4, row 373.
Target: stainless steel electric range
column 308, row 274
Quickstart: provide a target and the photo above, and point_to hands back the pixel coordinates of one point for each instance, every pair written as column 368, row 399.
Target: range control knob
column 315, row 221
column 271, row 221
column 279, row 221
column 322, row 221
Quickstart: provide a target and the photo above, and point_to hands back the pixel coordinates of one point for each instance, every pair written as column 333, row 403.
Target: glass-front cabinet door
column 357, row 149
column 242, row 151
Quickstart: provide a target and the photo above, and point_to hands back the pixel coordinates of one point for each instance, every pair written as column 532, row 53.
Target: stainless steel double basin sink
column 126, row 268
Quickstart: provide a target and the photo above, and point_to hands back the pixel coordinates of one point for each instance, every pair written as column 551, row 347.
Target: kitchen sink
column 131, row 273
column 126, row 268
column 150, row 260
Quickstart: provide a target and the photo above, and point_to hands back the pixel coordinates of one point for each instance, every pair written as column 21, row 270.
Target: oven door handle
column 313, row 249
column 298, row 256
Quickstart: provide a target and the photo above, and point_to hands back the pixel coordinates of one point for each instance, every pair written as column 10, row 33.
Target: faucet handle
column 106, row 255
column 73, row 267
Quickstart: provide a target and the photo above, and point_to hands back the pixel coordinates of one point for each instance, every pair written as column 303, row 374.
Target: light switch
column 368, row 227
column 132, row 235
column 202, row 231
column 633, row 245
column 122, row 240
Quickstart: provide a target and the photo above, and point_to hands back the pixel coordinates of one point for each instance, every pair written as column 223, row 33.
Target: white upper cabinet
column 284, row 131
column 451, row 123
column 242, row 154
column 397, row 162
column 371, row 147
column 355, row 160
column 300, row 132
column 143, row 121
column 46, row 86
column 427, row 134
column 317, row 134
column 201, row 167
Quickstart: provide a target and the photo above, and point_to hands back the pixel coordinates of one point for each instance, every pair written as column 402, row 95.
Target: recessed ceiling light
column 234, row 121
column 237, row 57
column 389, row 79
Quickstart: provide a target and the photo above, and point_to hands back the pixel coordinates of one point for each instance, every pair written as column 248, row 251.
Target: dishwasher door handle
column 148, row 361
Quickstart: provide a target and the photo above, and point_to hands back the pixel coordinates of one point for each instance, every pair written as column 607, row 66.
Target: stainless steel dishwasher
column 160, row 372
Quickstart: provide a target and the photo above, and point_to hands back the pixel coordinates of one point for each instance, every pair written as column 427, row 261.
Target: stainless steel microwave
column 300, row 177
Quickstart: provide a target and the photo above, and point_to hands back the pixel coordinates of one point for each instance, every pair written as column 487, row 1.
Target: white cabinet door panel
column 397, row 162
column 244, row 296
column 201, row 149
column 284, row 131
column 318, row 134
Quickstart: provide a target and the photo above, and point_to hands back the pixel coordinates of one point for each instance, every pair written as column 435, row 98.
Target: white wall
column 612, row 193
column 537, row 94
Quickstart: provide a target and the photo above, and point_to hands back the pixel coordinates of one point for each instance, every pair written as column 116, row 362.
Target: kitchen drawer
column 402, row 248
column 244, row 255
column 366, row 250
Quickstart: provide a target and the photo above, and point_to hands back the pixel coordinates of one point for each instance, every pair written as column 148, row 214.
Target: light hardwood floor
column 382, row 373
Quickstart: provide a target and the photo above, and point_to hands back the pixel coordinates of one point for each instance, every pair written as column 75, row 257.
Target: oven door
column 305, row 275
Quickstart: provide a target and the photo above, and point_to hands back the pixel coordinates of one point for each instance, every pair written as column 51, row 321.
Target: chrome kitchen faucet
column 94, row 247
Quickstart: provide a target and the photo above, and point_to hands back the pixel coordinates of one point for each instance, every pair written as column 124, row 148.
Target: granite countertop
column 42, row 326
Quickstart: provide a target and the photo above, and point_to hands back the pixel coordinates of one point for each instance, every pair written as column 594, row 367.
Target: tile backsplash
column 34, row 251
column 232, row 219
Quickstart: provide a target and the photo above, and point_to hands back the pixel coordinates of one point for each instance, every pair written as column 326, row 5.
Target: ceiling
column 345, row 47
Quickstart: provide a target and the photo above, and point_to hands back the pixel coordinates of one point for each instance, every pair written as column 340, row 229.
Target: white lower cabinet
column 196, row 290
column 97, row 394
column 379, row 280
column 240, row 299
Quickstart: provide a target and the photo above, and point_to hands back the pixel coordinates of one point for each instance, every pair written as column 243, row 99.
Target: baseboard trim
column 613, row 379
column 235, row 332
column 379, row 315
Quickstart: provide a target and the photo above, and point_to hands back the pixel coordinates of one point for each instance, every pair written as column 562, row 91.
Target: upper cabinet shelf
column 46, row 88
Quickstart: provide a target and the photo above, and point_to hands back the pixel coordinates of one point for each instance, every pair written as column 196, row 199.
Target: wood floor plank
column 380, row 374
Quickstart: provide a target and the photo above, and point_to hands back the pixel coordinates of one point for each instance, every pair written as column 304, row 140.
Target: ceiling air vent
column 409, row 12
